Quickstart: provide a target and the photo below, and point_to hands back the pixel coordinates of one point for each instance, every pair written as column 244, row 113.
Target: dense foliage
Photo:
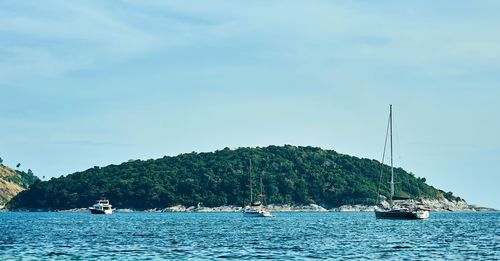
column 24, row 179
column 296, row 175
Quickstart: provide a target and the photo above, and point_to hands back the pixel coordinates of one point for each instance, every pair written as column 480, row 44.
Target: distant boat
column 406, row 211
column 256, row 208
column 101, row 207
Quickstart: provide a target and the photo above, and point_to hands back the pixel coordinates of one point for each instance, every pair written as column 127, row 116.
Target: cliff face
column 8, row 189
column 12, row 182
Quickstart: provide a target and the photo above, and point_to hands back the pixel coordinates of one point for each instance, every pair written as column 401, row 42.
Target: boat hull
column 422, row 214
column 104, row 212
column 257, row 214
column 396, row 214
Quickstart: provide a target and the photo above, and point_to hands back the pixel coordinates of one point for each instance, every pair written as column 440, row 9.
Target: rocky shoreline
column 440, row 204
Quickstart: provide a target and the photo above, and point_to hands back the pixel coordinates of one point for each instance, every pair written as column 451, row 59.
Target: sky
column 93, row 83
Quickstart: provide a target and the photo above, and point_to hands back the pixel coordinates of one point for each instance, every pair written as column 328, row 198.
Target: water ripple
column 139, row 236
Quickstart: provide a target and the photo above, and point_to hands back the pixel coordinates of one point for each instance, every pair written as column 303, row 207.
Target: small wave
column 401, row 247
column 51, row 254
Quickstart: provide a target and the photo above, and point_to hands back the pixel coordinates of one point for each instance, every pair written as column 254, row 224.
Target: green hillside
column 295, row 175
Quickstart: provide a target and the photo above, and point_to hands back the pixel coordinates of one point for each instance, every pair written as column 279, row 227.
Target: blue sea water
column 174, row 236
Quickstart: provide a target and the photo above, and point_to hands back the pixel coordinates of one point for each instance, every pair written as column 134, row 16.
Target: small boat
column 403, row 213
column 101, row 207
column 256, row 208
column 409, row 211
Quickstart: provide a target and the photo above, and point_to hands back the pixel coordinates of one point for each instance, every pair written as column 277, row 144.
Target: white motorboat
column 101, row 207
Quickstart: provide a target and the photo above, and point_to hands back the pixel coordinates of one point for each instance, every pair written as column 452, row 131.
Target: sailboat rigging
column 256, row 208
column 394, row 211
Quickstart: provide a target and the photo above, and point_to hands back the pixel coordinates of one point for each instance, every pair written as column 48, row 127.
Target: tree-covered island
column 290, row 175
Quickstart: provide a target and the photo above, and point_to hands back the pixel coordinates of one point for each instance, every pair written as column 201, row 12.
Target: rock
column 354, row 208
column 438, row 204
column 296, row 208
column 443, row 204
column 218, row 209
column 125, row 210
column 317, row 208
column 74, row 210
column 178, row 208
column 479, row 208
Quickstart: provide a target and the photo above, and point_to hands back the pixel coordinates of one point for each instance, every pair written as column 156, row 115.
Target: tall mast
column 251, row 191
column 261, row 189
column 392, row 167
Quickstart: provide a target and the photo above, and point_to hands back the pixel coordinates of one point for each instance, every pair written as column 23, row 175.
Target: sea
column 287, row 236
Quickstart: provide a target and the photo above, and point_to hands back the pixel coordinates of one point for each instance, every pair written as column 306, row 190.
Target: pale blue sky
column 85, row 83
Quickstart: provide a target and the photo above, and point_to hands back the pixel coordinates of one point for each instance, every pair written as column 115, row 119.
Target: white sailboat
column 256, row 208
column 394, row 211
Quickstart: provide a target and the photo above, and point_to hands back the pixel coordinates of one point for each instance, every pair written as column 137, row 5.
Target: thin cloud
column 52, row 39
